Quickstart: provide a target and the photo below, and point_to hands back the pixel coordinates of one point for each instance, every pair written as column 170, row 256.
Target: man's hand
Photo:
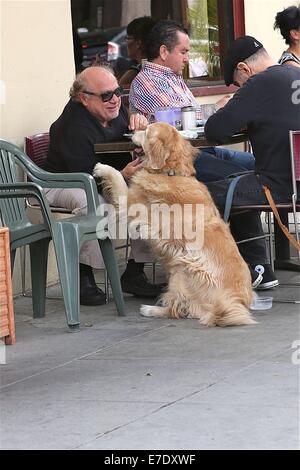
column 222, row 102
column 137, row 122
column 131, row 168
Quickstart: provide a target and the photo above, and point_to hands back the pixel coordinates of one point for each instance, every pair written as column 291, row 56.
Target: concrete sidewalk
column 139, row 383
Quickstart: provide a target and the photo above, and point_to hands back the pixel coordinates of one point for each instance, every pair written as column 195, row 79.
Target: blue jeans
column 246, row 159
column 217, row 163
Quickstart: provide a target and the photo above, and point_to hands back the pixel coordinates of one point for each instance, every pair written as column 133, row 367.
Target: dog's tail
column 231, row 311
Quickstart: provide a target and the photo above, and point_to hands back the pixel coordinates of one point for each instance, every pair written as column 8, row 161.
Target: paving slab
column 147, row 383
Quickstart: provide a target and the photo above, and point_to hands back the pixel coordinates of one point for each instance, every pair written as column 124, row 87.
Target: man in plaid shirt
column 160, row 84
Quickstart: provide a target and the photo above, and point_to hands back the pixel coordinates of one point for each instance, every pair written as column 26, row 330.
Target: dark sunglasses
column 107, row 95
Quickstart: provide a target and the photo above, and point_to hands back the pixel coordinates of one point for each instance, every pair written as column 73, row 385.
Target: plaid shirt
column 158, row 86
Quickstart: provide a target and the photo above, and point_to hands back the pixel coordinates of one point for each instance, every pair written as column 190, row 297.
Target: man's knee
column 75, row 200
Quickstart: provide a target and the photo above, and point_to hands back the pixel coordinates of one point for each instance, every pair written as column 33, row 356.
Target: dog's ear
column 157, row 153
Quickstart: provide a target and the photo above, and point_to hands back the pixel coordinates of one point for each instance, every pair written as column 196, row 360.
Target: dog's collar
column 166, row 171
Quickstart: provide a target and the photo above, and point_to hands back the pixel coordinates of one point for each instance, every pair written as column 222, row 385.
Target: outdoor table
column 128, row 146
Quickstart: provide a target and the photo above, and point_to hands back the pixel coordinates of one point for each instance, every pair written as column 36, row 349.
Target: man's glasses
column 107, row 95
column 129, row 38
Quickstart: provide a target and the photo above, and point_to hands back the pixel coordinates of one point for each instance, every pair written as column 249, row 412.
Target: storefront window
column 203, row 23
column 101, row 26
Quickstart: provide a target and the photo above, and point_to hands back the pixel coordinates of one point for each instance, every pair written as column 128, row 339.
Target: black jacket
column 73, row 135
column 268, row 106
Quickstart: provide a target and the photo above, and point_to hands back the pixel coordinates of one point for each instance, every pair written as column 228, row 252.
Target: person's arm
column 131, row 168
column 291, row 62
column 137, row 97
column 136, row 122
column 149, row 93
column 288, row 58
column 234, row 116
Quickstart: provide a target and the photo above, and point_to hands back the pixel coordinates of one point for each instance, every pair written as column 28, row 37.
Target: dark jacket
column 73, row 135
column 268, row 106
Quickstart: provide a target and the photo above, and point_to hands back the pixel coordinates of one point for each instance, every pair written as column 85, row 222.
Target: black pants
column 248, row 224
column 214, row 172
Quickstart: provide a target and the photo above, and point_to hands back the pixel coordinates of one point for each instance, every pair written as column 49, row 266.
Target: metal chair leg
column 271, row 247
column 110, row 261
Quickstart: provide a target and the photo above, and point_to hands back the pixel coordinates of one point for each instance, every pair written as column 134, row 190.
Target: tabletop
column 127, row 145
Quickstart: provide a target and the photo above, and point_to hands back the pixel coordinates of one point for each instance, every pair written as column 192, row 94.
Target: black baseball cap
column 240, row 50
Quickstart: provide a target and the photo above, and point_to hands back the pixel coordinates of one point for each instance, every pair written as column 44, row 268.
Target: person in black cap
column 243, row 48
column 268, row 106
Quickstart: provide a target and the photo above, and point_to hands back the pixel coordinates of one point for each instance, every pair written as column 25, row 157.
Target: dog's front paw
column 146, row 310
column 105, row 176
column 102, row 171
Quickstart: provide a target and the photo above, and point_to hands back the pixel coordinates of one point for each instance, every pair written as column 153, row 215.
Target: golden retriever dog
column 207, row 277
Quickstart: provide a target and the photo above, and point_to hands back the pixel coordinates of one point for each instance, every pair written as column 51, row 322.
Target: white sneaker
column 268, row 277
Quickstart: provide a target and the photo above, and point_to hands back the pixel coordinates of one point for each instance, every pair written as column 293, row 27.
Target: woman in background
column 137, row 32
column 288, row 21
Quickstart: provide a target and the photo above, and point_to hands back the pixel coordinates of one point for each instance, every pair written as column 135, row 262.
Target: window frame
column 198, row 86
column 238, row 7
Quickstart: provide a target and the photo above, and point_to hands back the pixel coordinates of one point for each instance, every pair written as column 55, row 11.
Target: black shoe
column 268, row 277
column 138, row 285
column 90, row 294
column 255, row 277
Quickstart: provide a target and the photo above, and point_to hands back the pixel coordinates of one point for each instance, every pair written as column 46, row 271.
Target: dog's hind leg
column 154, row 311
column 172, row 305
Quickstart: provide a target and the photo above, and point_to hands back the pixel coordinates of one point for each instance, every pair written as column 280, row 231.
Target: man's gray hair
column 261, row 53
column 80, row 82
column 78, row 85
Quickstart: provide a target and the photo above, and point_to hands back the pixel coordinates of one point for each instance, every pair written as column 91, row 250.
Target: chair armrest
column 23, row 190
column 46, row 179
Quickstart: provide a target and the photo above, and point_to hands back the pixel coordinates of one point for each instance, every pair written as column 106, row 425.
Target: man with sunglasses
column 95, row 114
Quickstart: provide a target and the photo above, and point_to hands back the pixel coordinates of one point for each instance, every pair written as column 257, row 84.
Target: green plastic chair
column 22, row 232
column 68, row 234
